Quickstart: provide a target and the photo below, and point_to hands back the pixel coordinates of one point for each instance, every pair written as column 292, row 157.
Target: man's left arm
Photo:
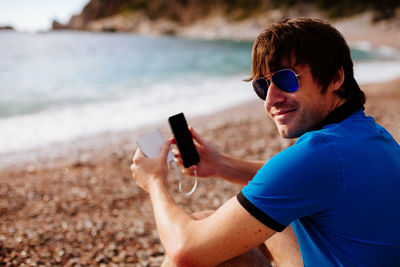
column 228, row 232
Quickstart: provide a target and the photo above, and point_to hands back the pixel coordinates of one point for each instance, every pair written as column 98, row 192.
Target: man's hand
column 147, row 171
column 209, row 157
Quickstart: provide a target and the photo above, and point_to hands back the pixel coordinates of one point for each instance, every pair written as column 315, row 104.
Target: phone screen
column 184, row 140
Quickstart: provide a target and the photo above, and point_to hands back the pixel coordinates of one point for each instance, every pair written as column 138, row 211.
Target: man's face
column 298, row 112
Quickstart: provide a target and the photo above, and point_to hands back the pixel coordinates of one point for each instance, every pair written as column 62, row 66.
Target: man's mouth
column 281, row 113
column 283, row 116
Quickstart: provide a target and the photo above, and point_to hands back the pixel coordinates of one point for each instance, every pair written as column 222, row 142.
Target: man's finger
column 179, row 161
column 189, row 171
column 138, row 154
column 176, row 152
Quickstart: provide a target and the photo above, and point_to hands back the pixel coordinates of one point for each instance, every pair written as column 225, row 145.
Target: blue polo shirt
column 339, row 187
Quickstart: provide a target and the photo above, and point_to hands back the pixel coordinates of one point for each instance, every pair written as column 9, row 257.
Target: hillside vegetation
column 186, row 12
column 176, row 9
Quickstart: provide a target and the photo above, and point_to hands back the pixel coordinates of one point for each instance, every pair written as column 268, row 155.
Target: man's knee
column 256, row 257
column 253, row 258
column 284, row 248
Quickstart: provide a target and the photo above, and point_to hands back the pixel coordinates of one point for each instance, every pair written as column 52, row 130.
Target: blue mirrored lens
column 286, row 80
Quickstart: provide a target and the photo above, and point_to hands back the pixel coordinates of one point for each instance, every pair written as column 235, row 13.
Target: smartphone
column 184, row 140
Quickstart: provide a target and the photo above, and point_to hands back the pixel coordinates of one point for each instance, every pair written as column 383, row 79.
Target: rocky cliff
column 180, row 11
column 226, row 19
column 6, row 28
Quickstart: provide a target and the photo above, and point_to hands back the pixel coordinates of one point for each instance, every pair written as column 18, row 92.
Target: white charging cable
column 181, row 180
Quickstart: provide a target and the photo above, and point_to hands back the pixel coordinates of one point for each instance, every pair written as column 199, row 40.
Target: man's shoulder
column 311, row 150
column 319, row 140
column 354, row 126
column 331, row 139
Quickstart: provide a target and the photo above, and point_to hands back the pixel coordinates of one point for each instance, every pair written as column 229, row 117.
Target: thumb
column 165, row 149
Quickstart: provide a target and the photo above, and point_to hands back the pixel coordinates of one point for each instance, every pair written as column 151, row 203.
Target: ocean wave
column 141, row 108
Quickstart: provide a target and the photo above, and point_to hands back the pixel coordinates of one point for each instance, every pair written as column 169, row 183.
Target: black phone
column 184, row 140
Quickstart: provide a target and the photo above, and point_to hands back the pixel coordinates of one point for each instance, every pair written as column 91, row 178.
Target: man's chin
column 287, row 132
column 283, row 131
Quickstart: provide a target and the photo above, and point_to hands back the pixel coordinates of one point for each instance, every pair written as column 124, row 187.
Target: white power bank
column 151, row 144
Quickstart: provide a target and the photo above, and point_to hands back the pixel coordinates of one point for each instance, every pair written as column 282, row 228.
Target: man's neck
column 340, row 113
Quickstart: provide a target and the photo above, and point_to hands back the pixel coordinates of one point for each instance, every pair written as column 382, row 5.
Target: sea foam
column 153, row 105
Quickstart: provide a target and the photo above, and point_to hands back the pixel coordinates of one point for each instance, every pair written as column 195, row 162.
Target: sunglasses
column 285, row 79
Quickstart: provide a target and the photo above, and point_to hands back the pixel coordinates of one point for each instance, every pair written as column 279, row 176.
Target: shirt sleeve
column 303, row 180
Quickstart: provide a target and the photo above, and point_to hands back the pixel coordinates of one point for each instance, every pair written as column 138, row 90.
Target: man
column 337, row 188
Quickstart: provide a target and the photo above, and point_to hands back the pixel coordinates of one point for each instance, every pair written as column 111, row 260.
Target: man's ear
column 337, row 80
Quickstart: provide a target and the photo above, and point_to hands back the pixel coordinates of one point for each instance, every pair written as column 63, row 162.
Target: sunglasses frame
column 269, row 80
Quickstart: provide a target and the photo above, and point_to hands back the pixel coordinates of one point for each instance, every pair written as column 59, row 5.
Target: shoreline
column 82, row 149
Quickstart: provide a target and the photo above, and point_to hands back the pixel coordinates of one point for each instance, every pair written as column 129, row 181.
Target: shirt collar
column 340, row 113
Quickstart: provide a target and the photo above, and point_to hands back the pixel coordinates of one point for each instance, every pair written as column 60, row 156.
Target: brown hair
column 312, row 42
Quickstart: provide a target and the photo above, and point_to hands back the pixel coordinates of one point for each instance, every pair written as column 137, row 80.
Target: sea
column 61, row 86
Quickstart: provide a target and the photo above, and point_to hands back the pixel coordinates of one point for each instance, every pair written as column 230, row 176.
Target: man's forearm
column 170, row 218
column 237, row 170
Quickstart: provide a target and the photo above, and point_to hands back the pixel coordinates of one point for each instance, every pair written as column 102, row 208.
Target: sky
column 37, row 15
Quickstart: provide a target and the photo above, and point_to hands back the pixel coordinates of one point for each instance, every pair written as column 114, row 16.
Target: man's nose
column 274, row 96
